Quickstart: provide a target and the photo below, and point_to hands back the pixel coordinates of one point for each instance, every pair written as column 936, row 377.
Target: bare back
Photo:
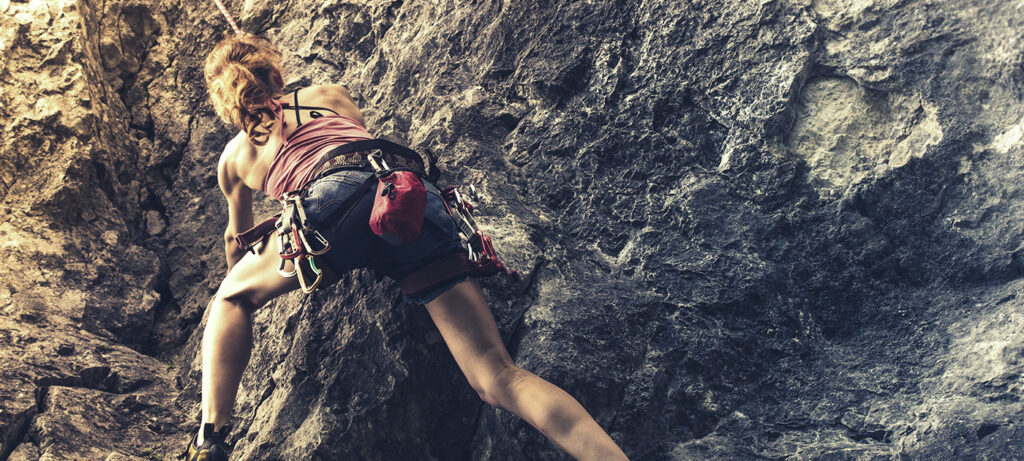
column 243, row 166
column 249, row 164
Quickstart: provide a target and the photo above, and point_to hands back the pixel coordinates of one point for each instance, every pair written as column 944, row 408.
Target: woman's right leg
column 466, row 323
column 227, row 339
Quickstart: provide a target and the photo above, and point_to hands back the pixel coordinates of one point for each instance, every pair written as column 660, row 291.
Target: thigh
column 467, row 326
column 254, row 280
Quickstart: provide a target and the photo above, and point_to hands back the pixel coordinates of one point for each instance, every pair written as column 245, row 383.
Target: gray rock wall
column 781, row 229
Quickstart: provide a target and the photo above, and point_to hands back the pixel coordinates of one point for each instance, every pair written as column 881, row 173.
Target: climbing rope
column 228, row 17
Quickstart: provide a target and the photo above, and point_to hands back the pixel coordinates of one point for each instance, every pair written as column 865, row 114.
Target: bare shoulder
column 339, row 88
column 232, row 150
column 334, row 88
column 227, row 168
column 333, row 91
column 337, row 97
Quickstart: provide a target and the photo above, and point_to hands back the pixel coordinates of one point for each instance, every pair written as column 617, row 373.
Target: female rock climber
column 281, row 139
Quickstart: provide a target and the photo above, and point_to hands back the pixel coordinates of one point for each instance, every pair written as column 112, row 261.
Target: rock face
column 780, row 229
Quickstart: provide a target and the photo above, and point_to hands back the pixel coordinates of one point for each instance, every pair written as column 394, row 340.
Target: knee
column 230, row 297
column 236, row 294
column 499, row 389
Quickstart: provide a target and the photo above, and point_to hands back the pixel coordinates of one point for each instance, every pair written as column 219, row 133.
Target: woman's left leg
column 227, row 339
column 468, row 328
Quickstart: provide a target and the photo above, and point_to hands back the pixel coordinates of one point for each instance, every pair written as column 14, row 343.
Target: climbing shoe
column 213, row 448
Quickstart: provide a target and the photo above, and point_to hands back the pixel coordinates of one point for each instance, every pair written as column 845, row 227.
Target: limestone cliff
column 783, row 229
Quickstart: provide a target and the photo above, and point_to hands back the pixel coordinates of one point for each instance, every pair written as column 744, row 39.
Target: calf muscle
column 468, row 328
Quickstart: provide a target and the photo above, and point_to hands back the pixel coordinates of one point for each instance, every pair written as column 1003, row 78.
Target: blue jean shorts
column 354, row 245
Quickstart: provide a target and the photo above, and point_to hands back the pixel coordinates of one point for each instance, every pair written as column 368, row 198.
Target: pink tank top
column 294, row 161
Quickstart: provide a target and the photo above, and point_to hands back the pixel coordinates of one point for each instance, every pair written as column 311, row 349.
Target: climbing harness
column 397, row 173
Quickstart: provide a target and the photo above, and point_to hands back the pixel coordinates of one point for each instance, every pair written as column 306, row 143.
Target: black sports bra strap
column 314, row 109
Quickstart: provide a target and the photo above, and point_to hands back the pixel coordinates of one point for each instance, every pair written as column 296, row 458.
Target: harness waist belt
column 354, row 154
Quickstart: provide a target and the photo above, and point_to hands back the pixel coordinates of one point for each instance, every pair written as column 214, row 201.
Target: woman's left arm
column 239, row 199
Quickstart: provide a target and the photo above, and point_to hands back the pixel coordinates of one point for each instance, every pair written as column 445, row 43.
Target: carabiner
column 318, row 239
column 307, row 288
column 283, row 273
column 284, row 247
column 296, row 201
column 289, row 245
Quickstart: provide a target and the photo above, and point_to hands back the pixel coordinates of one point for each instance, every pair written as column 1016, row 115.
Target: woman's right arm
column 239, row 199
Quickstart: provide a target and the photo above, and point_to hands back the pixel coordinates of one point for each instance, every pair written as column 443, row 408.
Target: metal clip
column 320, row 244
column 296, row 201
column 319, row 275
column 377, row 162
column 285, row 274
column 289, row 243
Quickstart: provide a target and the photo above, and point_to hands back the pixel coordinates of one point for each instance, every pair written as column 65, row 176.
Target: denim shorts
column 354, row 245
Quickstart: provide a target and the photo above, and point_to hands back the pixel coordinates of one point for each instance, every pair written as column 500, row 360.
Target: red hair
column 243, row 73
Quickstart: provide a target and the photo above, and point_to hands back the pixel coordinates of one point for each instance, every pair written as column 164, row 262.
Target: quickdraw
column 477, row 244
column 299, row 243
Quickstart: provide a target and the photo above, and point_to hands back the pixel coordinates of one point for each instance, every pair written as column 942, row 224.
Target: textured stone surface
column 90, row 424
column 78, row 281
column 846, row 132
column 780, row 229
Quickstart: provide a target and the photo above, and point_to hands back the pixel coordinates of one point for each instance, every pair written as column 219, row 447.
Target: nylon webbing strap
column 371, row 144
column 246, row 240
